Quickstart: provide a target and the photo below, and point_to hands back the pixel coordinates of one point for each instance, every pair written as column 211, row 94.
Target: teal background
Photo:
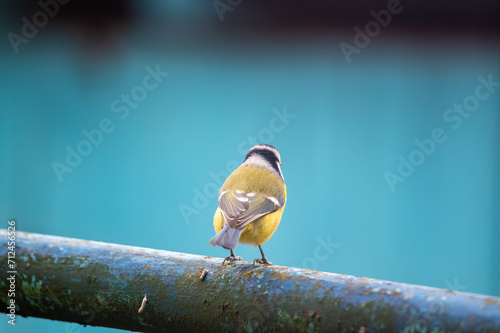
column 348, row 124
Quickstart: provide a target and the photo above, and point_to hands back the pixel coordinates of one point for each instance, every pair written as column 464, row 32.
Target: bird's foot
column 262, row 261
column 231, row 258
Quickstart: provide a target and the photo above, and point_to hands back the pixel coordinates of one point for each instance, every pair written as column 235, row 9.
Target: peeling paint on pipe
column 102, row 284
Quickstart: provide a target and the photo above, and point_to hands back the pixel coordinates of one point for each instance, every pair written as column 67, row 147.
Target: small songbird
column 251, row 202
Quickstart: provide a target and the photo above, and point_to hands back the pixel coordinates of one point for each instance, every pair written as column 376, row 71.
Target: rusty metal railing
column 101, row 284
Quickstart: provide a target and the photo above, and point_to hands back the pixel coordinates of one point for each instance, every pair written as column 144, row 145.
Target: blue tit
column 251, row 202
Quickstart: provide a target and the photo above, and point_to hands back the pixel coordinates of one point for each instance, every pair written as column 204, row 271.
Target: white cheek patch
column 279, row 168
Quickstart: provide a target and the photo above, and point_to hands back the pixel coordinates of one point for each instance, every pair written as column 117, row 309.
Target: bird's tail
column 228, row 237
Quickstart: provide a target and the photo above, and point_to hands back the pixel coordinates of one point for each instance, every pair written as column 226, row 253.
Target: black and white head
column 265, row 156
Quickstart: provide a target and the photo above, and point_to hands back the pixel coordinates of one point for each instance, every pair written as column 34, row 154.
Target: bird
column 251, row 203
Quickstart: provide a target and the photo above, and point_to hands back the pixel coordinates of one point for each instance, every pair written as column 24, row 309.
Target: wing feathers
column 240, row 208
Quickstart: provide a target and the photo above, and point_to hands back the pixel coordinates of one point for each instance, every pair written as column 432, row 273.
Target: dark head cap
column 265, row 156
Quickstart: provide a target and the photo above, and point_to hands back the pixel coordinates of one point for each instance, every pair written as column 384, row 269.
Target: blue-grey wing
column 240, row 208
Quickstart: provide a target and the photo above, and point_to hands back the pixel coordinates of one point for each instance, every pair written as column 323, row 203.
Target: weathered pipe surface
column 103, row 284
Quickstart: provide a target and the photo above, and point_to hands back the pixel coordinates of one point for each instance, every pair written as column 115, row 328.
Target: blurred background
column 119, row 120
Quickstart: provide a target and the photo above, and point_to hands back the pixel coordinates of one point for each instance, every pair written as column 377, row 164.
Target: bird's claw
column 231, row 258
column 262, row 261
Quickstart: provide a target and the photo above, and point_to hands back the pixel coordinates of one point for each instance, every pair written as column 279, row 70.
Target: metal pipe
column 102, row 284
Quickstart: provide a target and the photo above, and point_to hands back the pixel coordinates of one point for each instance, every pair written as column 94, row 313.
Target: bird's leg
column 231, row 257
column 264, row 260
